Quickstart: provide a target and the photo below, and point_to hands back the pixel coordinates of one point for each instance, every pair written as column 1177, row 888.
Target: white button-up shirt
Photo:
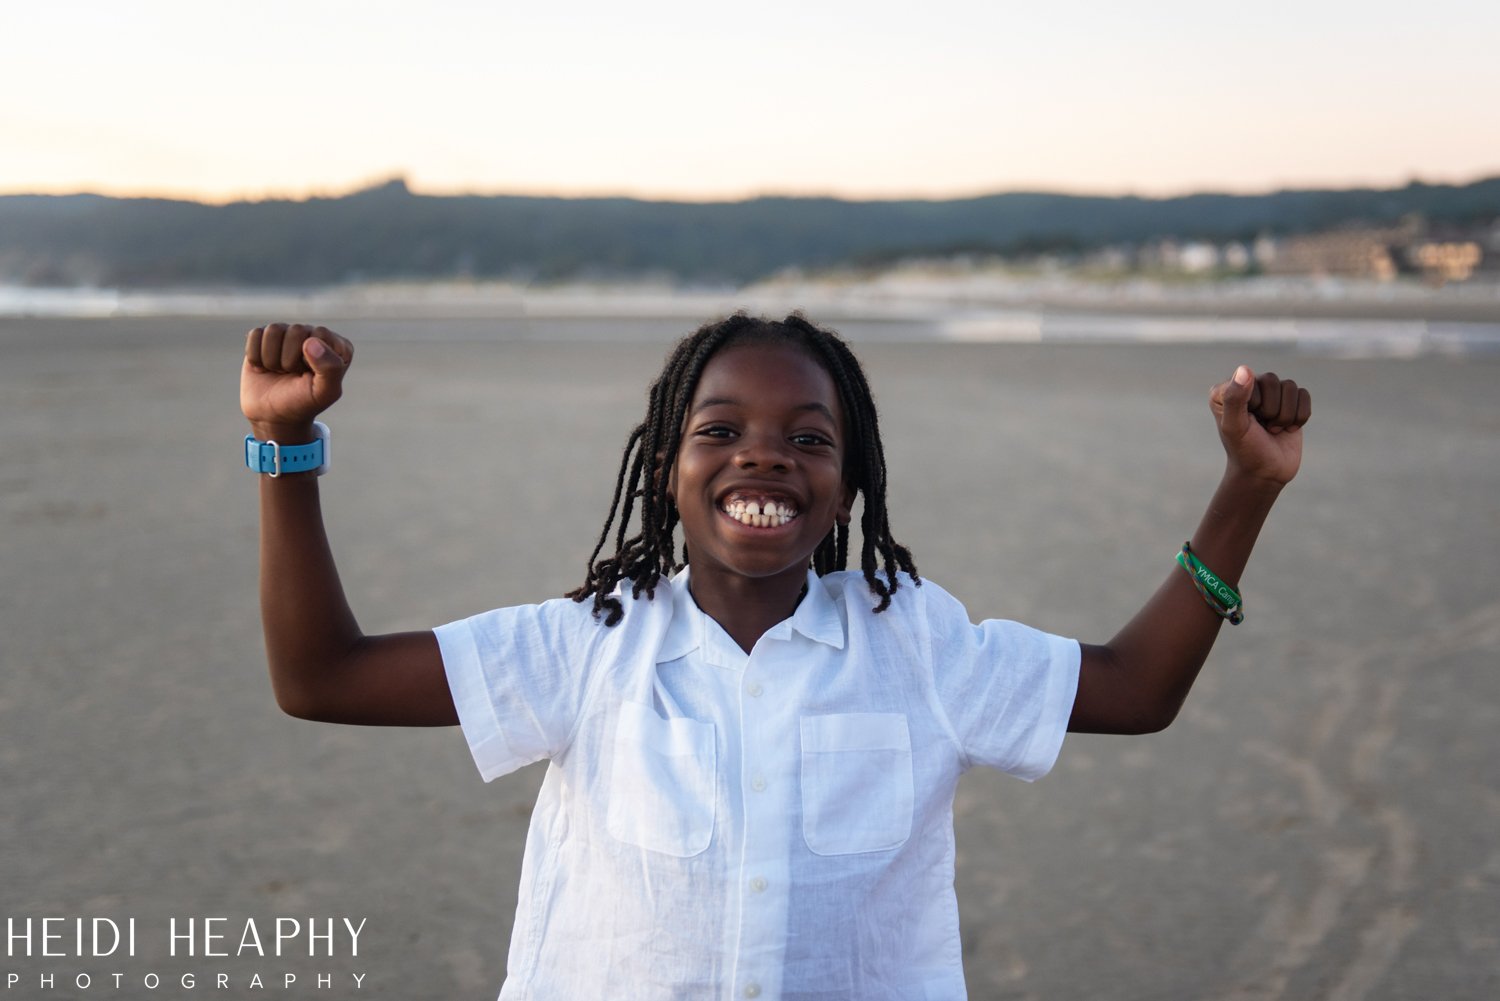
column 722, row 825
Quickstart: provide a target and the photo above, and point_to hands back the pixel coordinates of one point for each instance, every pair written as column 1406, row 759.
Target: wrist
column 1238, row 509
column 279, row 449
column 1249, row 485
column 285, row 432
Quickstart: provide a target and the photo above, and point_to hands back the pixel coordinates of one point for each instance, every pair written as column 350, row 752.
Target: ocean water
column 498, row 311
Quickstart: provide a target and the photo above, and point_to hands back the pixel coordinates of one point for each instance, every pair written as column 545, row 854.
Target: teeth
column 771, row 514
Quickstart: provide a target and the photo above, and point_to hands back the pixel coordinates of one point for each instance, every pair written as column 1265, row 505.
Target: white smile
column 759, row 514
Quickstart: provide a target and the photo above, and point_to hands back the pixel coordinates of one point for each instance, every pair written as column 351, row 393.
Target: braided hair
column 651, row 452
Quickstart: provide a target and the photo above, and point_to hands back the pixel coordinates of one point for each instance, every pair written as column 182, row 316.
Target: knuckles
column 1280, row 403
column 277, row 347
column 1275, row 403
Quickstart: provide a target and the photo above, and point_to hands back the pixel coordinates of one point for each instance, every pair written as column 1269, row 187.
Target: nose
column 763, row 451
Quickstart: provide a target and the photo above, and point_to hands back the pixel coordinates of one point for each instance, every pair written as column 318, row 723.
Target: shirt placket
column 766, row 784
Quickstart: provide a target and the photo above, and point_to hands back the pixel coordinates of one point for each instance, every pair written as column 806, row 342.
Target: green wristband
column 1223, row 599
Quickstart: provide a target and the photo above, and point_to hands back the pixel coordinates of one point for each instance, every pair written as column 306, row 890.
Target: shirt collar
column 816, row 617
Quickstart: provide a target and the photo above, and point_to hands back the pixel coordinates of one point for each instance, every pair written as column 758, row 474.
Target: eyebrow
column 720, row 401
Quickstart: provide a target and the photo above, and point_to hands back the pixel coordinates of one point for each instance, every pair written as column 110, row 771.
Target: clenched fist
column 292, row 373
column 1260, row 423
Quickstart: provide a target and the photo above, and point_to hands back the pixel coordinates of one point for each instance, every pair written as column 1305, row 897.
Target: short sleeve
column 1006, row 688
column 519, row 679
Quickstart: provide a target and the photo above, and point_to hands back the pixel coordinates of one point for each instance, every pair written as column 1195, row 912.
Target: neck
column 746, row 607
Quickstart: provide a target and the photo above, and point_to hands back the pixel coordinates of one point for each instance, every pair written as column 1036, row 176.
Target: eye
column 812, row 438
column 715, row 431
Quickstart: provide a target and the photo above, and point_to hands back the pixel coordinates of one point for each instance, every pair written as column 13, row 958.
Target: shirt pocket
column 663, row 782
column 857, row 789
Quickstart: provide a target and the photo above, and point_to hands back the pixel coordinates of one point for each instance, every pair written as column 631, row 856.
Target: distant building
column 1197, row 257
column 1446, row 261
column 1236, row 257
column 1349, row 253
column 1441, row 255
column 1263, row 251
column 1489, row 246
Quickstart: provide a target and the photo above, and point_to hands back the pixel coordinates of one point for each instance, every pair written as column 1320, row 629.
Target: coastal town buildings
column 1413, row 249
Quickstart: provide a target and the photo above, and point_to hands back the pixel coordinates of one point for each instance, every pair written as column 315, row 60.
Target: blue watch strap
column 274, row 458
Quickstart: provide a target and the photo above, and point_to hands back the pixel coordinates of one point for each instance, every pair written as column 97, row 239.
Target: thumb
column 327, row 367
column 1231, row 401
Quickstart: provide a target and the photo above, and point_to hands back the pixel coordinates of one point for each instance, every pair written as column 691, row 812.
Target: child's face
column 765, row 427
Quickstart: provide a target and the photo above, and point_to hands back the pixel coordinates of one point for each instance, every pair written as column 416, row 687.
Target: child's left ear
column 846, row 505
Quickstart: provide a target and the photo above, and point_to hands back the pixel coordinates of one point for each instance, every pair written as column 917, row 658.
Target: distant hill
column 388, row 232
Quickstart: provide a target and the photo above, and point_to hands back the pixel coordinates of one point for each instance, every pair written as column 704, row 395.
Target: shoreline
column 890, row 297
column 1319, row 336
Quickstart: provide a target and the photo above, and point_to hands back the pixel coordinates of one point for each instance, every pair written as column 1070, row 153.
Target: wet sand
column 1320, row 822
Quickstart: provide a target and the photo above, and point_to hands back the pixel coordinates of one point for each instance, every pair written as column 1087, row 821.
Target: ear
column 671, row 479
column 846, row 504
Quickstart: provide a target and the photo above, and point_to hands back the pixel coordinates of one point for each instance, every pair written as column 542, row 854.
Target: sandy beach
column 1320, row 822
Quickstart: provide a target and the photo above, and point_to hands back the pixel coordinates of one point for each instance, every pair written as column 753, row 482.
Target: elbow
column 299, row 701
column 1157, row 716
column 313, row 687
column 1155, row 723
column 1125, row 718
column 298, row 705
column 1120, row 696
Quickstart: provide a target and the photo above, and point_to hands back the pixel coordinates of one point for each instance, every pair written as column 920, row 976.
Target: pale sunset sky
column 676, row 99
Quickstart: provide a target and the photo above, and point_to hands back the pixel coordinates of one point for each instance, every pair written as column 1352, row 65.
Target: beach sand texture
column 1320, row 822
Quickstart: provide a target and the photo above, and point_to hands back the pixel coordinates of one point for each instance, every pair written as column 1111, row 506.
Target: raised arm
column 322, row 666
column 1137, row 681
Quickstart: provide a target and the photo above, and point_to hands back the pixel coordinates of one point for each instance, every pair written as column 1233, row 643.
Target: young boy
column 753, row 751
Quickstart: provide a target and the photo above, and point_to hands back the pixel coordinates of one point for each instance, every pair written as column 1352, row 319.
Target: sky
column 703, row 101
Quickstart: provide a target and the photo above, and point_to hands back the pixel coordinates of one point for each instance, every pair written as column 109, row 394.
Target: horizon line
column 730, row 198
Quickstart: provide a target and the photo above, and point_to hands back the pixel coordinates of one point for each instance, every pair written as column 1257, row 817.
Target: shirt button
column 758, row 885
column 754, row 689
column 758, row 784
column 752, row 990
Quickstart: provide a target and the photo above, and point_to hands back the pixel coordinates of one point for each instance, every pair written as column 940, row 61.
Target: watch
column 274, row 458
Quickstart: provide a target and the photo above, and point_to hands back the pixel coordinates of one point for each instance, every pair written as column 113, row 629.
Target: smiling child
column 753, row 751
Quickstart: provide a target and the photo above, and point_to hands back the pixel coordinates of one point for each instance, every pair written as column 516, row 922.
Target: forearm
column 1151, row 664
column 309, row 628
